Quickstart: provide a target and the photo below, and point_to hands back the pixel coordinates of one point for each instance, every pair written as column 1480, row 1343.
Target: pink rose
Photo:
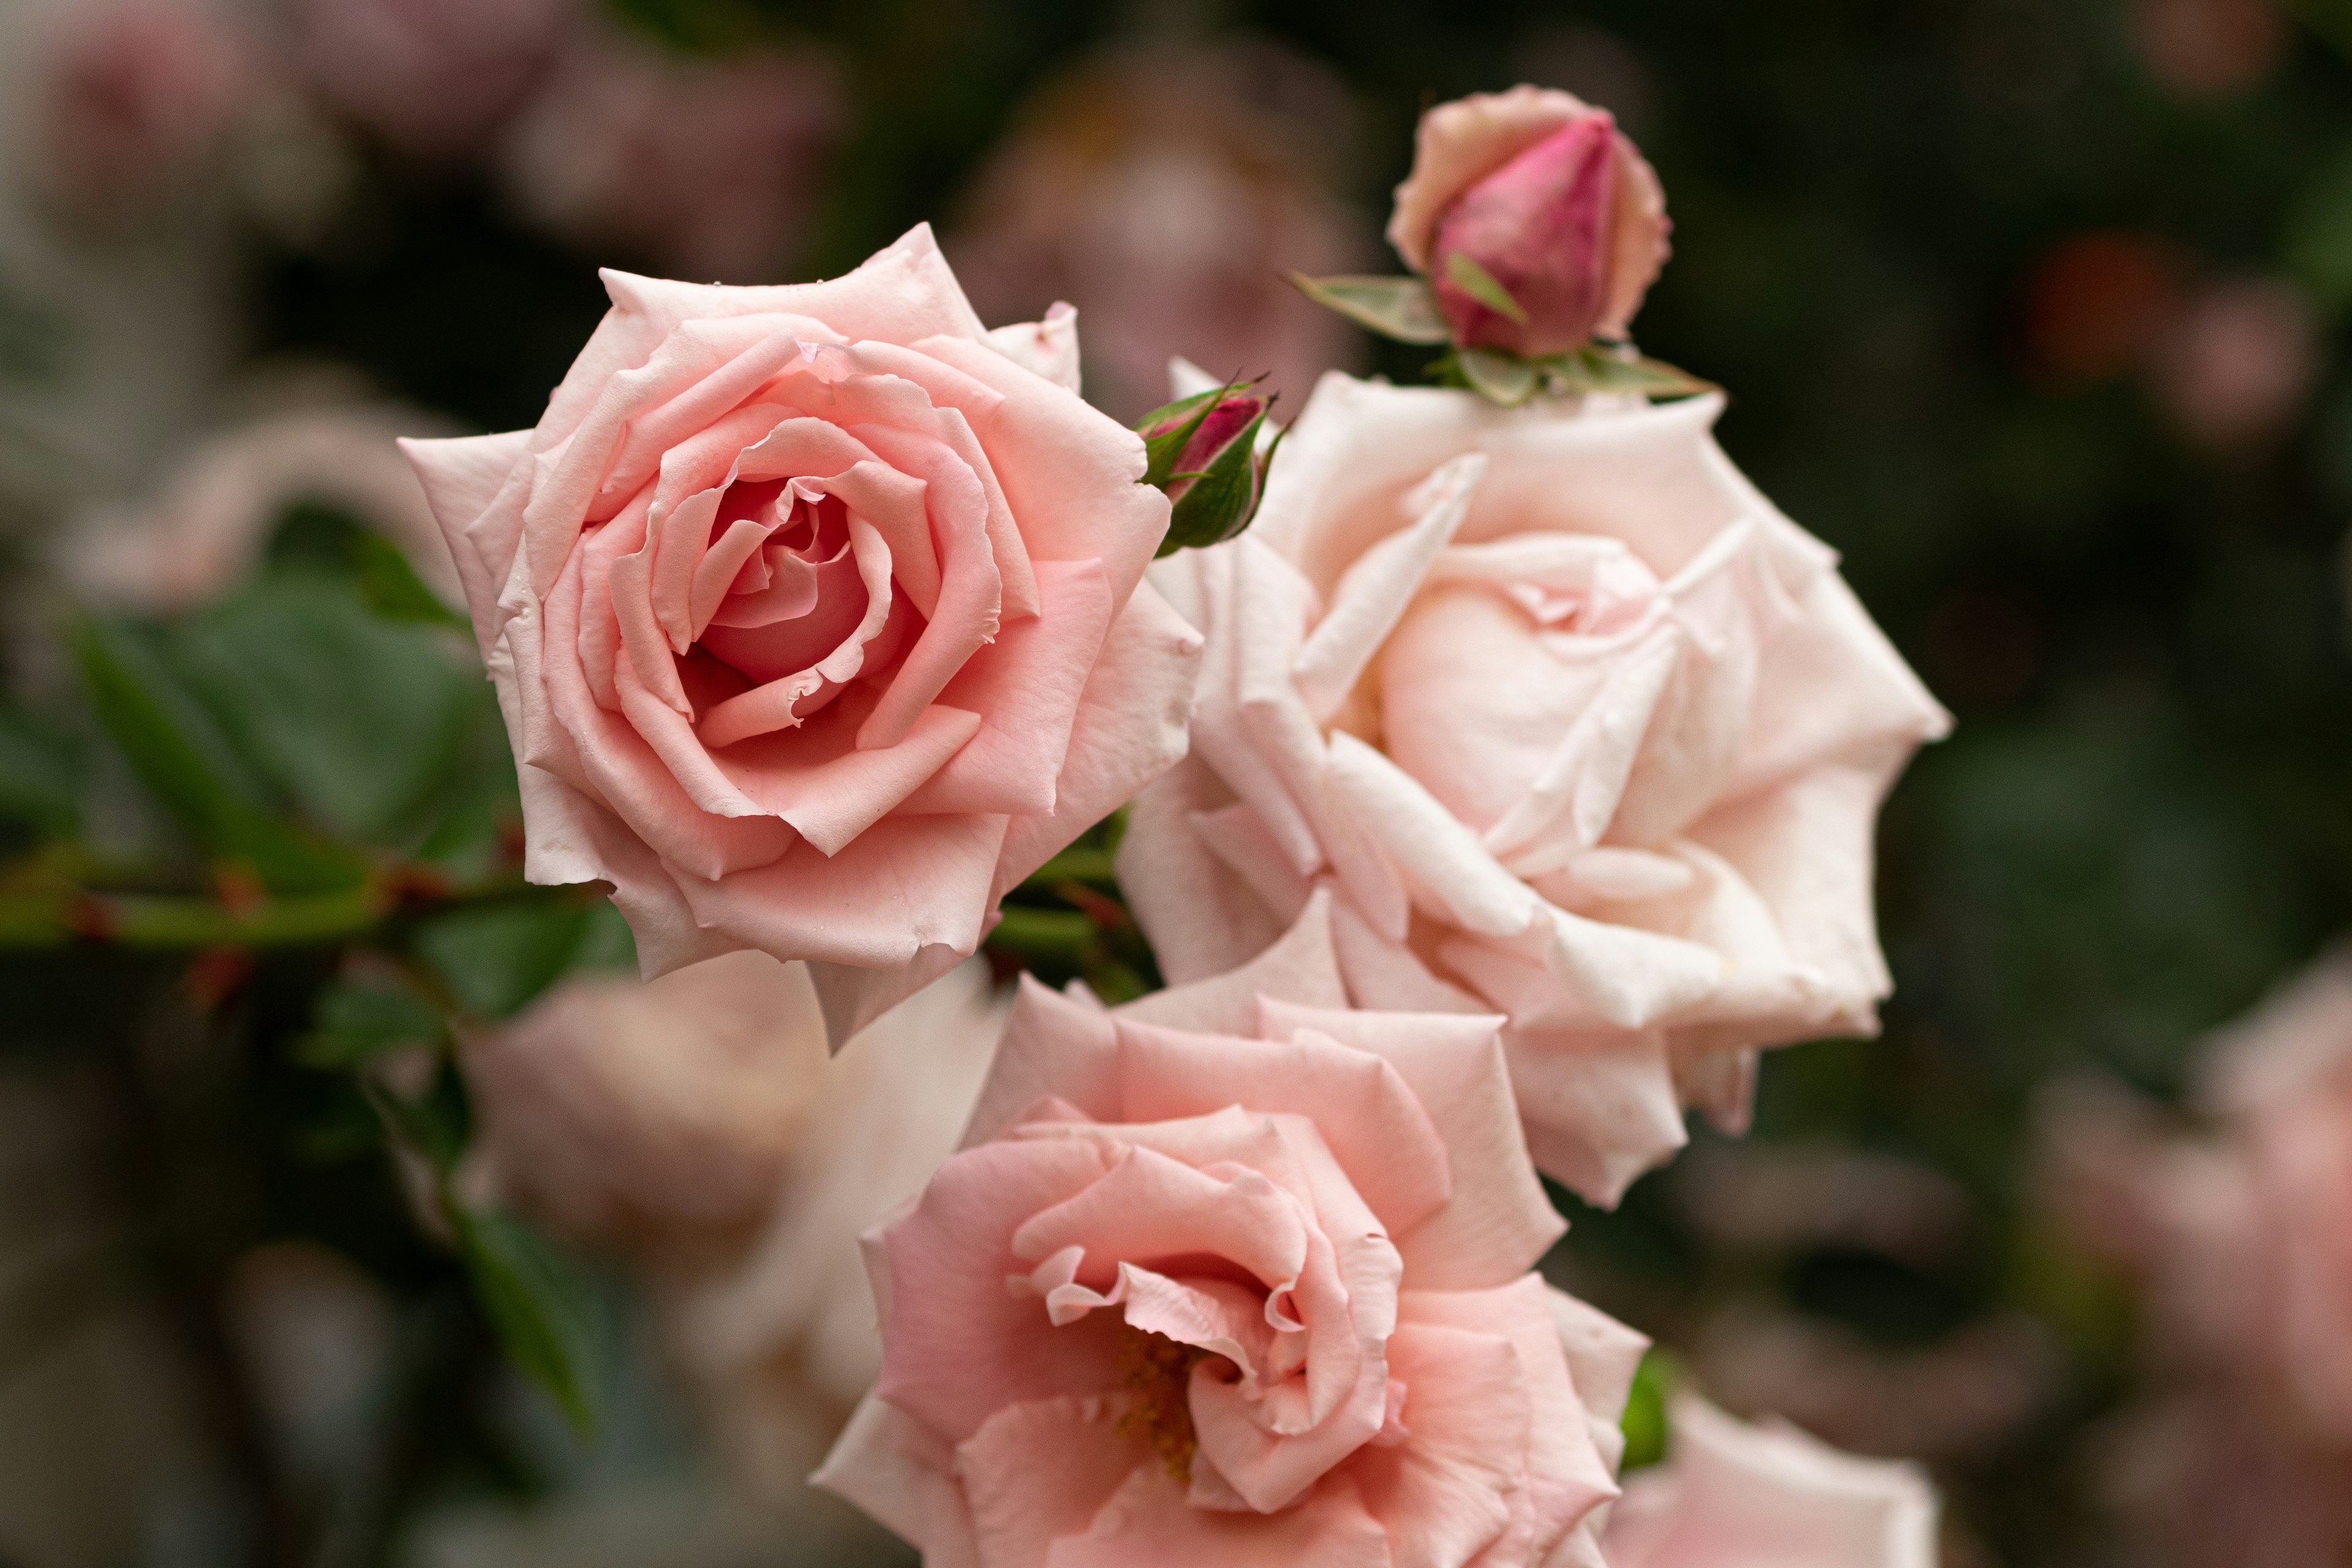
column 133, row 98
column 817, row 618
column 1232, row 1276
column 1735, row 1495
column 1584, row 731
column 706, row 165
column 1545, row 195
column 432, row 77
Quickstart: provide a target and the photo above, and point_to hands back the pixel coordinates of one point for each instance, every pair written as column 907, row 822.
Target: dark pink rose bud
column 1538, row 222
column 1205, row 452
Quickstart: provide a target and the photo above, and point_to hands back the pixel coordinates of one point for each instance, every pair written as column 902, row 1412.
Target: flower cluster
column 1495, row 797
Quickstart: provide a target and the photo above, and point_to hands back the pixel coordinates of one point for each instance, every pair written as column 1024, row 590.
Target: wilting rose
column 1549, row 197
column 1171, row 190
column 706, row 165
column 434, row 77
column 1226, row 1277
column 818, row 619
column 1731, row 1495
column 132, row 99
column 1584, row 731
column 211, row 521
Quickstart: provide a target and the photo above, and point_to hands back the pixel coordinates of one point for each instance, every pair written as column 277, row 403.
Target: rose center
column 1156, row 1373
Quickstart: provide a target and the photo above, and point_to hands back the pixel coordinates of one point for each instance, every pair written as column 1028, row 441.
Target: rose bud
column 1537, row 221
column 1205, row 452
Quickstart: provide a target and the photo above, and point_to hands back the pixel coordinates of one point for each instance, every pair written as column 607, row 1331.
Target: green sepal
column 1162, row 451
column 1222, row 498
column 1483, row 286
column 1403, row 307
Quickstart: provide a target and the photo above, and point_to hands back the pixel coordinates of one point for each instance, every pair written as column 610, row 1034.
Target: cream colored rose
column 1581, row 729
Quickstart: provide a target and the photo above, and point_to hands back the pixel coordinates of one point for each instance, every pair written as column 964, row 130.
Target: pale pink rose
column 1544, row 193
column 211, row 521
column 706, row 165
column 817, row 620
column 135, row 98
column 1169, row 192
column 1584, row 731
column 699, row 1126
column 1234, row 1276
column 434, row 77
column 1734, row 1496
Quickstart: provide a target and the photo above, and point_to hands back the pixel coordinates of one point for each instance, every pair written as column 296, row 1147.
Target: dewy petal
column 1497, row 1222
column 1372, row 596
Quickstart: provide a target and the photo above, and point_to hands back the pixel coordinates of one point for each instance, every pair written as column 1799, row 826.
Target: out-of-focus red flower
column 432, row 77
column 2209, row 48
column 705, row 166
column 135, row 97
column 1167, row 195
column 2097, row 304
column 2238, row 364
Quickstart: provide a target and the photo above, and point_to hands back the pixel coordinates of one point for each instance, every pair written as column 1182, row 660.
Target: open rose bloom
column 1737, row 1496
column 1235, row 1276
column 815, row 615
column 1584, row 731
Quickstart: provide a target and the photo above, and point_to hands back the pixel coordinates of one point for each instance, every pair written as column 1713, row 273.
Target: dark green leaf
column 544, row 1309
column 1484, row 287
column 40, row 775
column 437, row 1125
column 180, row 754
column 357, row 719
column 495, row 958
column 358, row 1021
column 1404, row 309
column 392, row 587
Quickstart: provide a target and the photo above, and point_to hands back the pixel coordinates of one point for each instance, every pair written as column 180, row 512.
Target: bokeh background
column 2034, row 309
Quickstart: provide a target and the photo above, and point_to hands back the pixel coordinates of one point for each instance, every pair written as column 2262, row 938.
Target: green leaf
column 541, row 1303
column 1404, row 309
column 437, row 1124
column 358, row 1021
column 495, row 958
column 357, row 719
column 1484, row 287
column 392, row 587
column 181, row 756
column 1058, row 931
column 1593, row 368
column 1496, row 376
column 40, row 775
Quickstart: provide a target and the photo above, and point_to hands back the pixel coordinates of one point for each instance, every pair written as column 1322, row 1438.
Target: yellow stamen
column 1157, row 1372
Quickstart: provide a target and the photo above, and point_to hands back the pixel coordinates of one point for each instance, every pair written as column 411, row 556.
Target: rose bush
column 1548, row 198
column 817, row 615
column 1230, row 1274
column 1733, row 1495
column 1584, row 731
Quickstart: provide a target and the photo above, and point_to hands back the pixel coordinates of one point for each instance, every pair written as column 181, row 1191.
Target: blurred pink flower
column 2240, row 1239
column 2209, row 48
column 2237, row 366
column 432, row 77
column 211, row 520
column 705, row 166
column 1166, row 195
column 1734, row 1496
column 135, row 97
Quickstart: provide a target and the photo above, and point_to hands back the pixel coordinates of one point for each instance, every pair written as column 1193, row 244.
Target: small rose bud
column 1537, row 221
column 1205, row 452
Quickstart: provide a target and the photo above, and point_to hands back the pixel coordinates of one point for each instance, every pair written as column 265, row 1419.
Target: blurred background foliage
column 2033, row 310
